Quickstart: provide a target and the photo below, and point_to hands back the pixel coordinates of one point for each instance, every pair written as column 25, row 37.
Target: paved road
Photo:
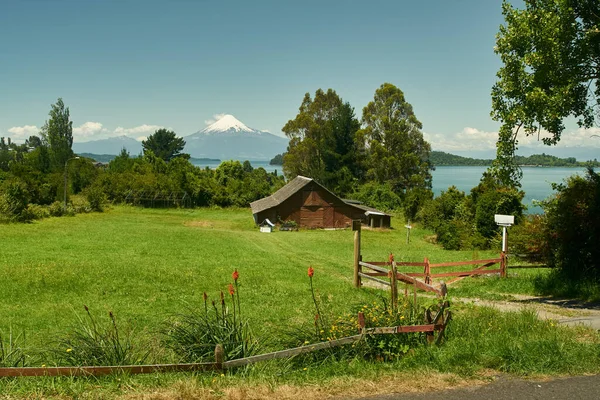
column 506, row 388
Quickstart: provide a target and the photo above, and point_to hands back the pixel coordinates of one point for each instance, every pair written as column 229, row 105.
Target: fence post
column 394, row 283
column 219, row 356
column 503, row 265
column 357, row 256
column 361, row 322
column 427, row 271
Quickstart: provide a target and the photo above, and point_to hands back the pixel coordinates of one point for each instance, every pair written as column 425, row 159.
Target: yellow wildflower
column 69, row 350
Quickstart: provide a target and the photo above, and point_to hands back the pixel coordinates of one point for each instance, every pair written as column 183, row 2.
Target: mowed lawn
column 145, row 265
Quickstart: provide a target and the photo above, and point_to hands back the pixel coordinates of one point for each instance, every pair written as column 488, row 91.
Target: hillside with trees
column 440, row 158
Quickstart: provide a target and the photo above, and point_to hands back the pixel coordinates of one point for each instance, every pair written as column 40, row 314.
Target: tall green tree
column 57, row 134
column 164, row 144
column 307, row 133
column 550, row 52
column 323, row 142
column 397, row 153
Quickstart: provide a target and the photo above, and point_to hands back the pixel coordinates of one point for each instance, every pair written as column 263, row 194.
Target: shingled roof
column 293, row 187
column 368, row 210
column 281, row 195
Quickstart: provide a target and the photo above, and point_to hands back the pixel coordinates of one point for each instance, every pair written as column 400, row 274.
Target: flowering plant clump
column 407, row 313
column 194, row 335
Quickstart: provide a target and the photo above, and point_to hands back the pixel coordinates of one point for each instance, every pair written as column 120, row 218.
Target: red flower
column 231, row 290
column 205, row 296
column 235, row 275
column 311, row 272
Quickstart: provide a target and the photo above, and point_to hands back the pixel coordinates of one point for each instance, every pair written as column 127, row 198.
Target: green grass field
column 146, row 265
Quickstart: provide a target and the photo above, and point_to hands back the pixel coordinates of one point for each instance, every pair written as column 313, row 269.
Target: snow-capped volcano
column 230, row 139
column 225, row 124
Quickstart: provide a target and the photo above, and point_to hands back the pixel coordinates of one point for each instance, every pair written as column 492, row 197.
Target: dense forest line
column 440, row 158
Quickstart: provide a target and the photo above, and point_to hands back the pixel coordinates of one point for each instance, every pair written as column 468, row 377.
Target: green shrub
column 528, row 239
column 14, row 201
column 462, row 222
column 380, row 196
column 56, row 209
column 37, row 212
column 573, row 227
column 95, row 197
column 99, row 342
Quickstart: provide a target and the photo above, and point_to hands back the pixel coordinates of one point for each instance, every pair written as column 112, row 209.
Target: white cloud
column 87, row 130
column 23, row 132
column 137, row 130
column 469, row 139
column 214, row 119
column 473, row 139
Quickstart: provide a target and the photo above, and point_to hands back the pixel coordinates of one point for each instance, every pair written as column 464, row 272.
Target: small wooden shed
column 373, row 217
column 310, row 205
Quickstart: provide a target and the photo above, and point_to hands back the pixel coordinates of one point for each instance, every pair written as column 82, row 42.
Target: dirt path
column 567, row 312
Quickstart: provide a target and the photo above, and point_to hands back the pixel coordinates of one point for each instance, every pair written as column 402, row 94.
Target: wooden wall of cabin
column 314, row 207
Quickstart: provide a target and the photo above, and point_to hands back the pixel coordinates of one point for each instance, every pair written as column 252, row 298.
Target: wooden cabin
column 311, row 205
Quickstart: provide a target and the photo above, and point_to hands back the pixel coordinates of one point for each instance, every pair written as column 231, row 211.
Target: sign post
column 504, row 221
column 408, row 228
column 356, row 225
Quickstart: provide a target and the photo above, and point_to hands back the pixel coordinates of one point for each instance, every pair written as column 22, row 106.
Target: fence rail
column 99, row 371
column 377, row 269
column 390, row 268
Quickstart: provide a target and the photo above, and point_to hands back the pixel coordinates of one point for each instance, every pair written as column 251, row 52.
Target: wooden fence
column 389, row 269
column 434, row 325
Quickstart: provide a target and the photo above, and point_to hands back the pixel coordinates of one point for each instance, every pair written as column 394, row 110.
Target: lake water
column 536, row 181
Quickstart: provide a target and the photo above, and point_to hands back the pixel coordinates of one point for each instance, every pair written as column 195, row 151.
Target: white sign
column 504, row 220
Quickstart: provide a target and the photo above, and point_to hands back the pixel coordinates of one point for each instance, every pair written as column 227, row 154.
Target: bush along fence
column 431, row 321
column 377, row 269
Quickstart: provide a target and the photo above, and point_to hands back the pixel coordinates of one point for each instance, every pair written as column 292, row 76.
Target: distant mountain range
column 230, row 139
column 111, row 146
column 226, row 139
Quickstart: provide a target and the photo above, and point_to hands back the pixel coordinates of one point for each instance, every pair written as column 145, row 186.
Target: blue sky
column 129, row 67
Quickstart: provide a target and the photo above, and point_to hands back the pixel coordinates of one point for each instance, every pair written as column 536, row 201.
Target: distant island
column 440, row 158
column 106, row 158
column 277, row 160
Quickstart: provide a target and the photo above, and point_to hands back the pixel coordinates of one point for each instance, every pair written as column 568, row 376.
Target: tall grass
column 514, row 342
column 99, row 342
column 11, row 351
